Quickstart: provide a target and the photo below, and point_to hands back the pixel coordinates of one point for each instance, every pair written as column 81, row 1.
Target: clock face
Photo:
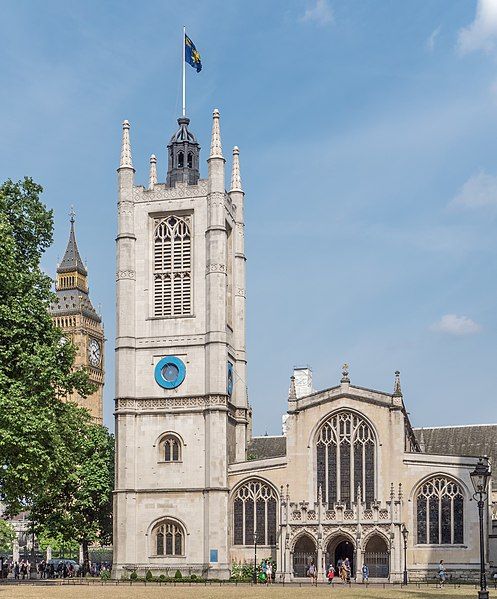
column 94, row 352
column 170, row 372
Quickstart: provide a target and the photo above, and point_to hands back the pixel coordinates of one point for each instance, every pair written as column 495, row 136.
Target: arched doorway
column 304, row 553
column 377, row 557
column 338, row 549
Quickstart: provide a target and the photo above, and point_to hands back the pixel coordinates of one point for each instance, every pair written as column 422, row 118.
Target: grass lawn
column 217, row 592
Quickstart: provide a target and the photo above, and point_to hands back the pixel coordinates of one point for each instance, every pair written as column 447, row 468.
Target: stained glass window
column 254, row 509
column 440, row 512
column 345, row 454
column 168, row 538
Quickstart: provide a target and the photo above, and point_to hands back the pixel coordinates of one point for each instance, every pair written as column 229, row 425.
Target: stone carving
column 181, row 191
column 171, row 402
column 216, row 268
column 125, row 274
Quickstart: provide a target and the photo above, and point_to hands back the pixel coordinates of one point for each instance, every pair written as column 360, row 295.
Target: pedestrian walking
column 312, row 572
column 330, row 575
column 16, row 571
column 442, row 573
column 365, row 573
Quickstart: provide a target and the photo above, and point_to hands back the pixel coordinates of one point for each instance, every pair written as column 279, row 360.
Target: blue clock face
column 170, row 372
column 229, row 379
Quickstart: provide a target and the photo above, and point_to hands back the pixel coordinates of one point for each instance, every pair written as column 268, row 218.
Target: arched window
column 190, row 160
column 172, row 266
column 440, row 512
column 169, row 538
column 254, row 509
column 171, row 449
column 345, row 453
column 181, row 160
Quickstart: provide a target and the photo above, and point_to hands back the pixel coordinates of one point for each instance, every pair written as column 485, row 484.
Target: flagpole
column 184, row 70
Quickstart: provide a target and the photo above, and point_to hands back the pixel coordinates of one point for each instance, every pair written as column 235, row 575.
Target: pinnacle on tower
column 152, row 180
column 216, row 149
column 236, row 181
column 72, row 262
column 397, row 391
column 292, row 392
column 345, row 374
column 126, row 159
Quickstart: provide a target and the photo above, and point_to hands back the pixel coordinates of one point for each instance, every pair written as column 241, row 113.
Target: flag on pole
column 192, row 56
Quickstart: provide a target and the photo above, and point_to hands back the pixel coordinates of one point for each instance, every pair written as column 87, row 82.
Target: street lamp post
column 255, row 557
column 480, row 477
column 405, row 534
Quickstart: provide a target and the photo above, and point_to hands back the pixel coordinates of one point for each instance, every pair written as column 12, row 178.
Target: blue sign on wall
column 213, row 558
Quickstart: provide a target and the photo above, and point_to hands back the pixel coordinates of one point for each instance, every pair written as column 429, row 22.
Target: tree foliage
column 7, row 536
column 54, row 462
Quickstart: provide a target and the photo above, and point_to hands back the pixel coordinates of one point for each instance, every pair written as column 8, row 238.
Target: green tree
column 79, row 508
column 7, row 536
column 36, row 365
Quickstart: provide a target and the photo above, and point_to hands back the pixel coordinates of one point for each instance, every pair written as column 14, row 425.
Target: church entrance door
column 377, row 558
column 344, row 549
column 304, row 554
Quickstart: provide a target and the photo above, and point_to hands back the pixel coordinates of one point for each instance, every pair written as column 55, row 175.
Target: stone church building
column 194, row 489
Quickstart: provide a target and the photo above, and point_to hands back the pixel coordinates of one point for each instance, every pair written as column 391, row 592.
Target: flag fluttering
column 192, row 56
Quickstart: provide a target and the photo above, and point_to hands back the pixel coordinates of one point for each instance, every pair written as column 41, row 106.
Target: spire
column 422, row 442
column 292, row 393
column 216, row 149
column 71, row 262
column 236, row 181
column 126, row 159
column 397, row 391
column 152, row 180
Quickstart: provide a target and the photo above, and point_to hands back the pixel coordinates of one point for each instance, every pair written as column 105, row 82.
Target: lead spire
column 152, row 180
column 216, row 149
column 126, row 159
column 236, row 180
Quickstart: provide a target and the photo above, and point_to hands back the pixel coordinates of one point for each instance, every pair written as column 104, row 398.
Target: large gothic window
column 254, row 510
column 168, row 538
column 345, row 453
column 172, row 266
column 440, row 512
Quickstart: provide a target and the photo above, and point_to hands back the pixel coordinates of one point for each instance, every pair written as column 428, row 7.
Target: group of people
column 342, row 571
column 267, row 571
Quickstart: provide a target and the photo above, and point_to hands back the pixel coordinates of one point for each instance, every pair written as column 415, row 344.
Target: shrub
column 178, row 575
column 134, row 575
column 105, row 575
column 162, row 578
column 149, row 576
column 193, row 577
column 125, row 575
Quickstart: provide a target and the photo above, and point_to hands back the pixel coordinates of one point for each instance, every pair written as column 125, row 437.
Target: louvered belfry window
column 172, row 266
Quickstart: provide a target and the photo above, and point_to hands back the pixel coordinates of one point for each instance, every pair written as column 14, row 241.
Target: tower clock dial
column 94, row 354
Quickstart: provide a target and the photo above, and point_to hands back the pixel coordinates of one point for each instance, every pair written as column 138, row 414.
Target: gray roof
column 262, row 448
column 72, row 260
column 73, row 301
column 474, row 440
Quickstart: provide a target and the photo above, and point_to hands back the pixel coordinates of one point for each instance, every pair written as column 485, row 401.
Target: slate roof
column 473, row 440
column 262, row 448
column 73, row 301
column 72, row 260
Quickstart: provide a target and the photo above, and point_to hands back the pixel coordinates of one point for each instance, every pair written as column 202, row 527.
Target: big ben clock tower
column 74, row 313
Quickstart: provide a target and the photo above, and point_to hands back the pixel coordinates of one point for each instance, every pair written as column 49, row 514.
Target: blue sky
column 368, row 139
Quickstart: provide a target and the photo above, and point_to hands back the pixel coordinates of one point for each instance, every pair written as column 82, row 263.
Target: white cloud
column 320, row 13
column 456, row 325
column 432, row 40
column 482, row 33
column 479, row 190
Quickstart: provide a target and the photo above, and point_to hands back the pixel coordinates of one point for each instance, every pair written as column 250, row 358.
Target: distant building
column 74, row 313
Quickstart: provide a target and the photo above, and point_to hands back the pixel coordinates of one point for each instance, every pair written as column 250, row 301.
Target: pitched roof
column 468, row 440
column 72, row 260
column 73, row 301
column 261, row 448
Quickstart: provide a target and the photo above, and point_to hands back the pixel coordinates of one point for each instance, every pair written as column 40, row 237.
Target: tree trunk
column 86, row 557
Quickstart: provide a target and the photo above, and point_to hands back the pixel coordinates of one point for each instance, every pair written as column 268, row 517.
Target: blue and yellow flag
column 191, row 54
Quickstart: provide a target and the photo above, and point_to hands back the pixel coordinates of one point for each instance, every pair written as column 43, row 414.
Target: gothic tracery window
column 345, row 452
column 168, row 538
column 254, row 510
column 440, row 512
column 171, row 449
column 172, row 266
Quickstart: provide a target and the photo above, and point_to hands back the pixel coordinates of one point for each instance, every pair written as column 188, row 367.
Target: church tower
column 181, row 411
column 74, row 313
